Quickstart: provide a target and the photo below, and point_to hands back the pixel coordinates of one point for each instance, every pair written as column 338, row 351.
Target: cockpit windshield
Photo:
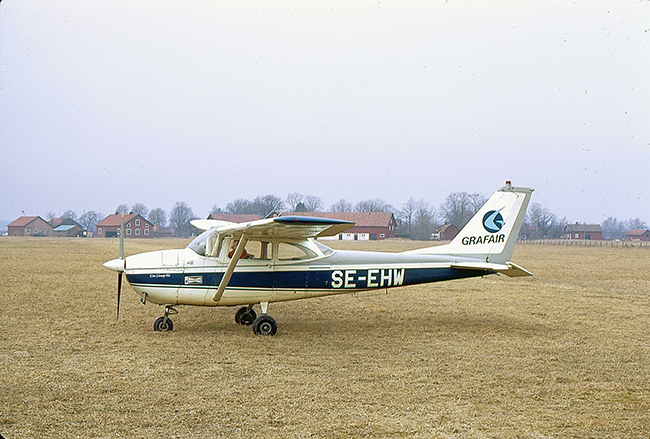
column 198, row 244
column 325, row 249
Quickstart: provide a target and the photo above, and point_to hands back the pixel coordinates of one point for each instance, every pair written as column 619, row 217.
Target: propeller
column 118, row 265
column 120, row 255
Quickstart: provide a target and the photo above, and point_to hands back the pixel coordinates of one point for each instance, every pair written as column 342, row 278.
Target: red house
column 446, row 232
column 135, row 226
column 29, row 226
column 638, row 235
column 583, row 231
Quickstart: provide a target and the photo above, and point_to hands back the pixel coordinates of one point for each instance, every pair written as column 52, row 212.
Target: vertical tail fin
column 491, row 234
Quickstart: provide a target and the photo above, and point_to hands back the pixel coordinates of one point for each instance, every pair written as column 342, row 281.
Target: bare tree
column 267, row 205
column 418, row 219
column 341, row 206
column 635, row 224
column 424, row 221
column 216, row 209
column 458, row 208
column 240, row 206
column 158, row 217
column 139, row 209
column 543, row 223
column 89, row 220
column 313, row 203
column 376, row 205
column 179, row 220
column 293, row 200
column 70, row 214
column 50, row 216
column 406, row 215
column 613, row 228
column 122, row 208
column 476, row 202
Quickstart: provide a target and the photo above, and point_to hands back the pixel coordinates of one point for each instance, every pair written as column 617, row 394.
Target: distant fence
column 587, row 243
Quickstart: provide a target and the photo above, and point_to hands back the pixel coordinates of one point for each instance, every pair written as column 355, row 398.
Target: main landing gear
column 246, row 315
column 262, row 325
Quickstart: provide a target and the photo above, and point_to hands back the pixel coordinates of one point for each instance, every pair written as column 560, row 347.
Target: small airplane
column 280, row 259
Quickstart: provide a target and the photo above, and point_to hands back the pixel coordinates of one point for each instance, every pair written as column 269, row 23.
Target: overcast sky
column 111, row 102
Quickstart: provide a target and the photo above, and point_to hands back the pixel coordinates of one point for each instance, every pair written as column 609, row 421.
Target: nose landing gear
column 164, row 323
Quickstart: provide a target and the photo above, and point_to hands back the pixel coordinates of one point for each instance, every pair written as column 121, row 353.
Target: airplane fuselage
column 183, row 277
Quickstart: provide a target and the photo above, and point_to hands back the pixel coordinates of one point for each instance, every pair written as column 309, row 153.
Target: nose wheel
column 164, row 323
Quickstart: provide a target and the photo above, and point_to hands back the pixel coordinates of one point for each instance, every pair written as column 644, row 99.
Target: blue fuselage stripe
column 343, row 279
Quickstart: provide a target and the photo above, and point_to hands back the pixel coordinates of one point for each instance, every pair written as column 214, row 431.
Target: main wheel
column 245, row 317
column 265, row 325
column 161, row 326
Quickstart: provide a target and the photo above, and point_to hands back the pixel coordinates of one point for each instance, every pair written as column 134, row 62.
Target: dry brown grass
column 563, row 354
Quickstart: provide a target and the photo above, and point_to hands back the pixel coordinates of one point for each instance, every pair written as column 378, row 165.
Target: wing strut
column 231, row 268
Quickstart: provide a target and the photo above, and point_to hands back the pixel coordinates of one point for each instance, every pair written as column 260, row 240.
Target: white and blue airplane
column 280, row 259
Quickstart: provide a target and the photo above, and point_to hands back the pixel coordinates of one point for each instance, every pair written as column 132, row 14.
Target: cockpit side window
column 288, row 251
column 255, row 250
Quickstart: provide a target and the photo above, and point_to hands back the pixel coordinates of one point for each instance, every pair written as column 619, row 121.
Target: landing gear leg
column 265, row 324
column 164, row 323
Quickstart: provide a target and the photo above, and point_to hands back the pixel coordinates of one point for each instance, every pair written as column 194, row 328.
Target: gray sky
column 103, row 103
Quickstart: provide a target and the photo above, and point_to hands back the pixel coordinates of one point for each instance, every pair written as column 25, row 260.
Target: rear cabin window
column 293, row 252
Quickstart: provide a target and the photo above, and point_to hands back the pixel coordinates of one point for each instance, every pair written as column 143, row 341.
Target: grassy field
column 563, row 354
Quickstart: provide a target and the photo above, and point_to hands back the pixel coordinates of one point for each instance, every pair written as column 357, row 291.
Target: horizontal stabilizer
column 509, row 268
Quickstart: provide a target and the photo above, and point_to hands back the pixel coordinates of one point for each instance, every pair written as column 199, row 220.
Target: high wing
column 288, row 227
column 284, row 227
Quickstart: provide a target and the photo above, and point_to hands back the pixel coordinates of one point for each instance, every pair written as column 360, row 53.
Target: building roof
column 636, row 232
column 116, row 219
column 361, row 219
column 589, row 228
column 56, row 222
column 444, row 228
column 234, row 217
column 64, row 228
column 22, row 221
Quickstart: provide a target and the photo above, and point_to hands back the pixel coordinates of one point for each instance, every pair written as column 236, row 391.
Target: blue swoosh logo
column 493, row 221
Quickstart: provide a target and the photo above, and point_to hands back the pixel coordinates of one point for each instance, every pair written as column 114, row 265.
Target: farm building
column 445, row 232
column 583, row 231
column 369, row 226
column 66, row 227
column 135, row 226
column 162, row 232
column 29, row 226
column 638, row 235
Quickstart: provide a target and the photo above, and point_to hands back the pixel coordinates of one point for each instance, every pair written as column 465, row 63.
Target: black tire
column 160, row 325
column 245, row 317
column 265, row 325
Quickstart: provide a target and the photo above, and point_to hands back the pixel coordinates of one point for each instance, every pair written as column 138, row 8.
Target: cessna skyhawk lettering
column 278, row 259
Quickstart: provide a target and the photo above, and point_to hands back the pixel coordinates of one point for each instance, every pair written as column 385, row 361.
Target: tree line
column 418, row 219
